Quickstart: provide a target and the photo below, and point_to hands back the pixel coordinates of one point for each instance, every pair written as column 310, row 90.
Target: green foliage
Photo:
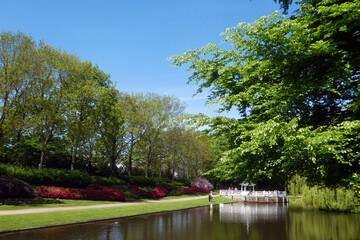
column 57, row 111
column 295, row 84
column 284, row 4
column 56, row 177
column 338, row 199
column 295, row 186
column 143, row 181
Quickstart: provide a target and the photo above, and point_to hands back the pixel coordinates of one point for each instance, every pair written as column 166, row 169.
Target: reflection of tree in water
column 323, row 225
column 225, row 222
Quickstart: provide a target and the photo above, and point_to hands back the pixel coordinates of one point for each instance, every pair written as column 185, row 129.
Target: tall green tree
column 289, row 79
column 45, row 102
column 159, row 112
column 80, row 92
column 111, row 141
column 17, row 53
column 134, row 123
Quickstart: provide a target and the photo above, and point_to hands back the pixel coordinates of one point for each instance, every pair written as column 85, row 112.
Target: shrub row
column 195, row 189
column 157, row 192
column 56, row 177
column 93, row 192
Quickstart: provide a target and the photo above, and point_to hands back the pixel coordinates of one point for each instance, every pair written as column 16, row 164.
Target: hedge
column 56, row 177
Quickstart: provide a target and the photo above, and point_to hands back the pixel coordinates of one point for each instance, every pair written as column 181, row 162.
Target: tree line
column 57, row 111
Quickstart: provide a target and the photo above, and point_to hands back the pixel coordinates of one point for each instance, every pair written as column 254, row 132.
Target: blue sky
column 131, row 40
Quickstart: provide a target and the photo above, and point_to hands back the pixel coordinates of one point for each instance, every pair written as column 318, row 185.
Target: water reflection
column 323, row 226
column 229, row 221
column 252, row 213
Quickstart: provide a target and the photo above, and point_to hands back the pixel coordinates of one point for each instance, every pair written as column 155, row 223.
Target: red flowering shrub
column 200, row 189
column 192, row 190
column 94, row 192
column 157, row 192
column 160, row 192
column 187, row 190
column 57, row 192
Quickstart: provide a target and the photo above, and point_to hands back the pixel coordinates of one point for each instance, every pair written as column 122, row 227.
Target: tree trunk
column 42, row 156
column 73, row 155
column 130, row 161
column 130, row 157
column 43, row 149
column 113, row 166
column 148, row 160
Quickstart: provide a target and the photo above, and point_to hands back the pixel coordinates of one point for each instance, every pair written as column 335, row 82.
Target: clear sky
column 131, row 40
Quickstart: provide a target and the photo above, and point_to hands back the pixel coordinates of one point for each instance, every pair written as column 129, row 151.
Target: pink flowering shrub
column 201, row 182
column 157, row 192
column 93, row 192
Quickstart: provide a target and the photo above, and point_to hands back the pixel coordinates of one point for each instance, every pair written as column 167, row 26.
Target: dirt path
column 58, row 209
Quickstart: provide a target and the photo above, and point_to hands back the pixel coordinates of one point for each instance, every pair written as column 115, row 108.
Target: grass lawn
column 66, row 203
column 72, row 203
column 23, row 221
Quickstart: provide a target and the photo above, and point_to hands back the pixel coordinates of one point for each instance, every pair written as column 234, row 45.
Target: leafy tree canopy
column 295, row 84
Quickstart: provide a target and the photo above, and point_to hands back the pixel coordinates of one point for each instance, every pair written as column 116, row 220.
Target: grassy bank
column 299, row 203
column 295, row 201
column 74, row 203
column 25, row 221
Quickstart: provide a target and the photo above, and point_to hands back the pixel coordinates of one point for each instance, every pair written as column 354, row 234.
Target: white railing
column 241, row 193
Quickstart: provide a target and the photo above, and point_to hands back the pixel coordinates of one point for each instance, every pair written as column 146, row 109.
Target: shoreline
column 12, row 223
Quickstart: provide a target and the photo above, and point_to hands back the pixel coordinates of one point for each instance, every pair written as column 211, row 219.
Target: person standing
column 210, row 196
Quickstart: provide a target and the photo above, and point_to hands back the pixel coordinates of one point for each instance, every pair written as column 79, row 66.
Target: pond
column 219, row 222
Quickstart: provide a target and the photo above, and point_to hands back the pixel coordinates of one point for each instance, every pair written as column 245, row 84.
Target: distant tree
column 45, row 104
column 186, row 152
column 81, row 91
column 134, row 123
column 111, row 127
column 159, row 111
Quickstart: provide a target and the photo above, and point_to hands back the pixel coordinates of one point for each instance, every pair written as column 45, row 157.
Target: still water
column 224, row 222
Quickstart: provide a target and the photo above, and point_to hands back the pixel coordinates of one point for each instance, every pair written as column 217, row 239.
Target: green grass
column 295, row 202
column 72, row 203
column 66, row 203
column 24, row 221
column 184, row 196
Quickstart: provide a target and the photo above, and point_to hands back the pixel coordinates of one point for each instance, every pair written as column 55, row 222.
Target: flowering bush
column 93, row 192
column 200, row 189
column 191, row 190
column 160, row 192
column 157, row 192
column 201, row 182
